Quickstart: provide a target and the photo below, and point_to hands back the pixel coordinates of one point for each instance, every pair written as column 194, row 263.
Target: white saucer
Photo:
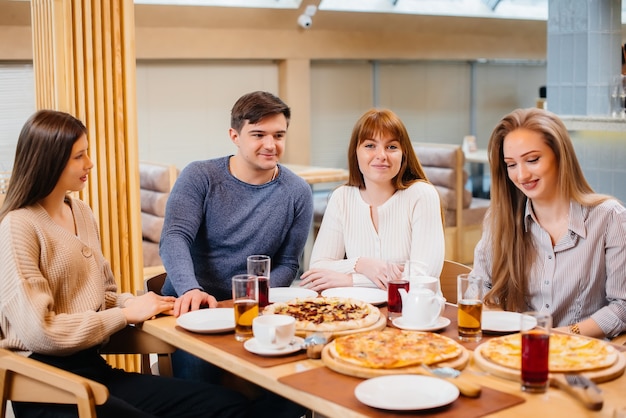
column 441, row 323
column 253, row 346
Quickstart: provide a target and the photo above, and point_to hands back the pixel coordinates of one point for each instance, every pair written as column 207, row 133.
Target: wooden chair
column 27, row 380
column 451, row 269
column 23, row 379
column 155, row 283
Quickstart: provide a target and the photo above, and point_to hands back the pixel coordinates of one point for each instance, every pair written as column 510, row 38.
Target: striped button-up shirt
column 583, row 275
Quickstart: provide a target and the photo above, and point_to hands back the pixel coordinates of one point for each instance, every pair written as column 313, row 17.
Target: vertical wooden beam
column 294, row 85
column 84, row 64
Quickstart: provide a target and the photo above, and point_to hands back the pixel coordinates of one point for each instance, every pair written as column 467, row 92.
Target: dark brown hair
column 43, row 150
column 253, row 107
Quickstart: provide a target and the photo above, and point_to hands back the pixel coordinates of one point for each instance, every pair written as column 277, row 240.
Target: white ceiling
column 504, row 9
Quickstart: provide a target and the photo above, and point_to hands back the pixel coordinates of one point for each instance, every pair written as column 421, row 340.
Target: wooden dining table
column 308, row 382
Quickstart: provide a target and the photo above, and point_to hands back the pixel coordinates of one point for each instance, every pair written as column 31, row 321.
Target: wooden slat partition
column 84, row 64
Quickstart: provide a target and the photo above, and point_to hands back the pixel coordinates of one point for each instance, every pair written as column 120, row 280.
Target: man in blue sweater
column 220, row 211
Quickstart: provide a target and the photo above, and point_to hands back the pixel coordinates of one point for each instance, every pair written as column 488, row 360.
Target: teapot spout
column 403, row 294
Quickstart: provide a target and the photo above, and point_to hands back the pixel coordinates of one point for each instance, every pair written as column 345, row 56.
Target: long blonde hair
column 513, row 250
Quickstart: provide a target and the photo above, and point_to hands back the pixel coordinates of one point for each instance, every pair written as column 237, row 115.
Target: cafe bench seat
column 444, row 165
column 156, row 182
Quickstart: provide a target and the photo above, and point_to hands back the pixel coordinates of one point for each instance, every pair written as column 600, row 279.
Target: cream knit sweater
column 410, row 228
column 57, row 292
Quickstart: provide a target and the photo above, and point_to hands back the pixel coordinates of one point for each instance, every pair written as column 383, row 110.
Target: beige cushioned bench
column 444, row 165
column 156, row 182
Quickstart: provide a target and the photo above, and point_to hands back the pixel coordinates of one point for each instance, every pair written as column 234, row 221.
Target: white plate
column 502, row 321
column 253, row 346
column 441, row 323
column 283, row 294
column 366, row 294
column 208, row 321
column 406, row 392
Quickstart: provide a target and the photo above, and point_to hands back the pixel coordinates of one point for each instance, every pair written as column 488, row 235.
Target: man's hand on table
column 192, row 301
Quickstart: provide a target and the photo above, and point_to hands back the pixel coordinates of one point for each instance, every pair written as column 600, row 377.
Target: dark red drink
column 535, row 354
column 264, row 291
column 394, row 301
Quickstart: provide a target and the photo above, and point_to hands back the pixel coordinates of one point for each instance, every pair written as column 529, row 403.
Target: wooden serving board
column 334, row 363
column 598, row 375
column 380, row 324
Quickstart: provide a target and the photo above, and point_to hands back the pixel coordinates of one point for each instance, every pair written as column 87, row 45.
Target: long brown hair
column 43, row 150
column 386, row 122
column 512, row 249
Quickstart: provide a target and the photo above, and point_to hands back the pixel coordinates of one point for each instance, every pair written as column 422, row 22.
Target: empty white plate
column 503, row 321
column 366, row 294
column 283, row 294
column 208, row 321
column 405, row 392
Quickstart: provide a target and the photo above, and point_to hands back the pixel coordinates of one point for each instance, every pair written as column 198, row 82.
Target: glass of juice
column 246, row 305
column 470, row 293
column 535, row 352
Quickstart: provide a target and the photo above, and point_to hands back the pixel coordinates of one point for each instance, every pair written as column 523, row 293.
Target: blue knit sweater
column 213, row 222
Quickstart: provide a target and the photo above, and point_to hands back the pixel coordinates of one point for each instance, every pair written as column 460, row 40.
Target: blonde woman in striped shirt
column 550, row 243
column 388, row 211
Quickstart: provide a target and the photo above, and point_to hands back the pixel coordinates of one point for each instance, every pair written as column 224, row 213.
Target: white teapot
column 421, row 307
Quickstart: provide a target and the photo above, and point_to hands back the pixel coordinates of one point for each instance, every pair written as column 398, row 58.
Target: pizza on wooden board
column 327, row 314
column 394, row 348
column 568, row 352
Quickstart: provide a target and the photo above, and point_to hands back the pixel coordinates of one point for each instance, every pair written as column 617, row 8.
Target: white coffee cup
column 274, row 331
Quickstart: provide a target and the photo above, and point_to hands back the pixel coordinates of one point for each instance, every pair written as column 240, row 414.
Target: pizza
column 394, row 348
column 327, row 314
column 568, row 352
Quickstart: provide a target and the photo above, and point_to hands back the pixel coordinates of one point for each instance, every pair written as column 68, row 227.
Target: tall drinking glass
column 470, row 295
column 396, row 279
column 260, row 266
column 245, row 288
column 535, row 352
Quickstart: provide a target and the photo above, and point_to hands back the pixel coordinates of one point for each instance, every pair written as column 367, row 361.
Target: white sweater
column 409, row 227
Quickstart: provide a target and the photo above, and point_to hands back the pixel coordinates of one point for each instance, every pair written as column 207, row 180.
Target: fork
column 581, row 388
column 465, row 386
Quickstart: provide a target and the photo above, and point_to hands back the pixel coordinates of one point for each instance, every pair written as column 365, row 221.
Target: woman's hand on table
column 192, row 301
column 321, row 279
column 375, row 269
column 146, row 306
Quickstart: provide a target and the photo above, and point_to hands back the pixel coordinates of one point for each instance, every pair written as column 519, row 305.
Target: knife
column 581, row 388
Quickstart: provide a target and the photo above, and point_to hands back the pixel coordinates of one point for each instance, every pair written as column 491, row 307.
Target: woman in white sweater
column 387, row 212
column 59, row 298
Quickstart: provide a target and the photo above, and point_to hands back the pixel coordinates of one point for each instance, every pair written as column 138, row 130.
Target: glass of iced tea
column 470, row 294
column 394, row 301
column 260, row 266
column 535, row 352
column 245, row 290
